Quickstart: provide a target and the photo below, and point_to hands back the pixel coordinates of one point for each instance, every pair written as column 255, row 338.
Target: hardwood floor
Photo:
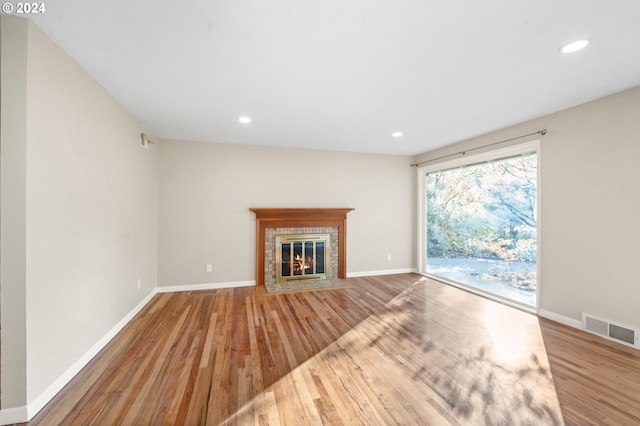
column 397, row 349
column 597, row 381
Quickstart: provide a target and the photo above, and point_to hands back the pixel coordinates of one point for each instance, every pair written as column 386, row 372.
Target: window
column 480, row 218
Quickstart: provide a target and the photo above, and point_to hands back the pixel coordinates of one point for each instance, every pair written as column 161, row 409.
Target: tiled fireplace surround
column 281, row 221
column 270, row 248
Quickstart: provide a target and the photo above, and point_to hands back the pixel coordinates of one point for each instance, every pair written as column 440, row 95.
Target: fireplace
column 302, row 256
column 289, row 256
column 272, row 222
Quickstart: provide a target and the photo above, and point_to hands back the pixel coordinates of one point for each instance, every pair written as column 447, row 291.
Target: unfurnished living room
column 330, row 213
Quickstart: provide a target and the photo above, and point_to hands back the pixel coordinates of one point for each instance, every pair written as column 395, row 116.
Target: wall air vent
column 629, row 336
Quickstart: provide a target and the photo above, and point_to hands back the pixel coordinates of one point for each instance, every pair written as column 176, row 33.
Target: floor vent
column 620, row 333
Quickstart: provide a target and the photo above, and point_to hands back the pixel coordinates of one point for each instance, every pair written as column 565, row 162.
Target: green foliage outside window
column 484, row 211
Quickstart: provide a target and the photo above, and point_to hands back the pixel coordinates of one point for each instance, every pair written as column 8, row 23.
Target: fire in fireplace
column 301, row 257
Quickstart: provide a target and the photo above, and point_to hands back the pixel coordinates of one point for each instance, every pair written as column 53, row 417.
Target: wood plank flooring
column 399, row 349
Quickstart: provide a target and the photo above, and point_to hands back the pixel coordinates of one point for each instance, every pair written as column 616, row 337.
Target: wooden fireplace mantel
column 293, row 218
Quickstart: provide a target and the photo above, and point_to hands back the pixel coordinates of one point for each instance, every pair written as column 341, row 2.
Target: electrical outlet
column 209, row 267
column 139, row 283
column 388, row 258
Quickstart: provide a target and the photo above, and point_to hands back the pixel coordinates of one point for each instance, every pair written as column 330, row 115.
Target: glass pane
column 320, row 257
column 298, row 259
column 286, row 260
column 481, row 227
column 308, row 257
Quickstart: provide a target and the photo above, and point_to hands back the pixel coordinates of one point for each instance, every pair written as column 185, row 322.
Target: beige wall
column 206, row 191
column 590, row 203
column 91, row 212
column 13, row 205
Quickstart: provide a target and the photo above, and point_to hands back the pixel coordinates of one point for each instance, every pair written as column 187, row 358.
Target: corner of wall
column 13, row 134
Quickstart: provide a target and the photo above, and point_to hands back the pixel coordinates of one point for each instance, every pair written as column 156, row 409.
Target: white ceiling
column 345, row 74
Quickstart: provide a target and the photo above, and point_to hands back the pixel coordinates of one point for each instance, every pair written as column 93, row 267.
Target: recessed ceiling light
column 244, row 119
column 574, row 46
column 396, row 134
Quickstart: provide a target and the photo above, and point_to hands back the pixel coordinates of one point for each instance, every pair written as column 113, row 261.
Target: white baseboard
column 384, row 272
column 10, row 416
column 571, row 322
column 211, row 286
column 24, row 414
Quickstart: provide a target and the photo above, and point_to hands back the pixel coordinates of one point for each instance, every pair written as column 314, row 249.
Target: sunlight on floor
column 400, row 360
column 512, row 342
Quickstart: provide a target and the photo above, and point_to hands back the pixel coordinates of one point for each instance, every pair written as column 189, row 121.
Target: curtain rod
column 539, row 132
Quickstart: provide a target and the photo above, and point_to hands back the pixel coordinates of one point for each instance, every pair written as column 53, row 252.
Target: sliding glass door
column 481, row 224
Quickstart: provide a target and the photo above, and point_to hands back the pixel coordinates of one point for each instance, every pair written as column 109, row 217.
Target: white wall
column 206, row 191
column 590, row 201
column 91, row 213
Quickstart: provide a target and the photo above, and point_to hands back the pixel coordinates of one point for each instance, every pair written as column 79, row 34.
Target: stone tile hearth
column 305, row 285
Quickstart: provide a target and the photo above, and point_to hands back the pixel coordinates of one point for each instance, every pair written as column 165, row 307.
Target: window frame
column 464, row 160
